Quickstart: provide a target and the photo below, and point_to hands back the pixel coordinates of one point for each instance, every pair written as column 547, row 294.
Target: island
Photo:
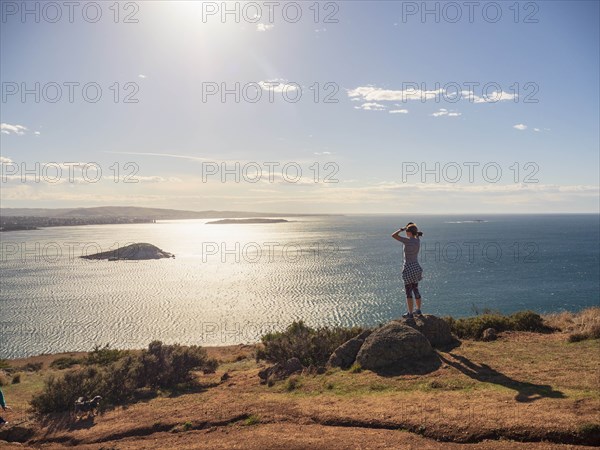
column 138, row 251
column 244, row 221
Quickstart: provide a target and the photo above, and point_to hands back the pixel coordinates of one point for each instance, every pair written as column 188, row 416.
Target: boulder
column 280, row 371
column 394, row 345
column 489, row 334
column 436, row 330
column 345, row 355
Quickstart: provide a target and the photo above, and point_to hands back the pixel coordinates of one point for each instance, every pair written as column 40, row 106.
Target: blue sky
column 368, row 61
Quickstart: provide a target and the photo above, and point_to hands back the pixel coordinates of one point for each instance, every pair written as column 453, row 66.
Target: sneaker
column 418, row 312
column 407, row 315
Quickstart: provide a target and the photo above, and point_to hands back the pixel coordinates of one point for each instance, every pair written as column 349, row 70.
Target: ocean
column 230, row 284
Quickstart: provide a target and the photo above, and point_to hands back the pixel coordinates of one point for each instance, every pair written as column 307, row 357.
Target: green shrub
column 252, row 420
column 292, row 383
column 528, row 321
column 355, row 368
column 60, row 392
column 309, row 345
column 157, row 367
column 473, row 327
column 64, row 362
column 103, row 356
column 32, row 367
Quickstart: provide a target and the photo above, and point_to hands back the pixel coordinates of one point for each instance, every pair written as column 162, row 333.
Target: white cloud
column 322, row 153
column 7, row 128
column 141, row 75
column 371, row 106
column 37, row 133
column 373, row 93
column 5, row 160
column 537, row 130
column 264, row 27
column 520, row 126
column 448, row 113
column 278, row 85
column 399, row 111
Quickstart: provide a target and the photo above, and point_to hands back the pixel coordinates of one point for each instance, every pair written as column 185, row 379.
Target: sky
column 311, row 107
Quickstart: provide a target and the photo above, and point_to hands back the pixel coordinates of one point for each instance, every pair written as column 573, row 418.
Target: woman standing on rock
column 412, row 272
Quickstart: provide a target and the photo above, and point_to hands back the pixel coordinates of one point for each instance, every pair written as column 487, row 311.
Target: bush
column 103, row 356
column 60, row 393
column 309, row 345
column 32, row 367
column 158, row 367
column 168, row 365
column 292, row 383
column 528, row 321
column 473, row 327
column 64, row 362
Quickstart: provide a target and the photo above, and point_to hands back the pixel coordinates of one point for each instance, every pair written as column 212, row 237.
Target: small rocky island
column 138, row 251
column 244, row 221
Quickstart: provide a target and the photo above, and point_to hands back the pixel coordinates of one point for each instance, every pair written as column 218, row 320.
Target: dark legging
column 412, row 288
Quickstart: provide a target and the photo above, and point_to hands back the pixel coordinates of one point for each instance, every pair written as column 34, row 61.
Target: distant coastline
column 245, row 221
column 19, row 219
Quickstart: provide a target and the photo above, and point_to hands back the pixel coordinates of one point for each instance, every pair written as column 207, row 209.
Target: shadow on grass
column 416, row 367
column 526, row 392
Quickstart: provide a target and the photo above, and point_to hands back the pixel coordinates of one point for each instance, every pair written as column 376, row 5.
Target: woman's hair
column 412, row 228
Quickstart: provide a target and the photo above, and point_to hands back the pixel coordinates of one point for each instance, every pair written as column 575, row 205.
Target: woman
column 4, row 407
column 412, row 272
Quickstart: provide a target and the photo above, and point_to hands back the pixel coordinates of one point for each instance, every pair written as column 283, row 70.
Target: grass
column 579, row 326
column 252, row 420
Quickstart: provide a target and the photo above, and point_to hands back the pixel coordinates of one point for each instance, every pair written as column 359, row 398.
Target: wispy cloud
column 5, row 160
column 141, row 75
column 371, row 106
column 6, row 128
column 264, row 27
column 520, row 127
column 443, row 112
column 278, row 85
column 398, row 111
column 375, row 94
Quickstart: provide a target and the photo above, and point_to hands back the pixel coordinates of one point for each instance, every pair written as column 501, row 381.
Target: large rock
column 489, row 334
column 345, row 355
column 436, row 330
column 394, row 345
column 280, row 371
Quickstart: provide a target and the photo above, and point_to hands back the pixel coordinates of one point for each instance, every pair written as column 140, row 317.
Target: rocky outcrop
column 393, row 345
column 280, row 371
column 436, row 330
column 139, row 251
column 345, row 355
column 489, row 334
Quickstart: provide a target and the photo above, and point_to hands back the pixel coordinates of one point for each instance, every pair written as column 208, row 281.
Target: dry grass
column 579, row 326
column 523, row 386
